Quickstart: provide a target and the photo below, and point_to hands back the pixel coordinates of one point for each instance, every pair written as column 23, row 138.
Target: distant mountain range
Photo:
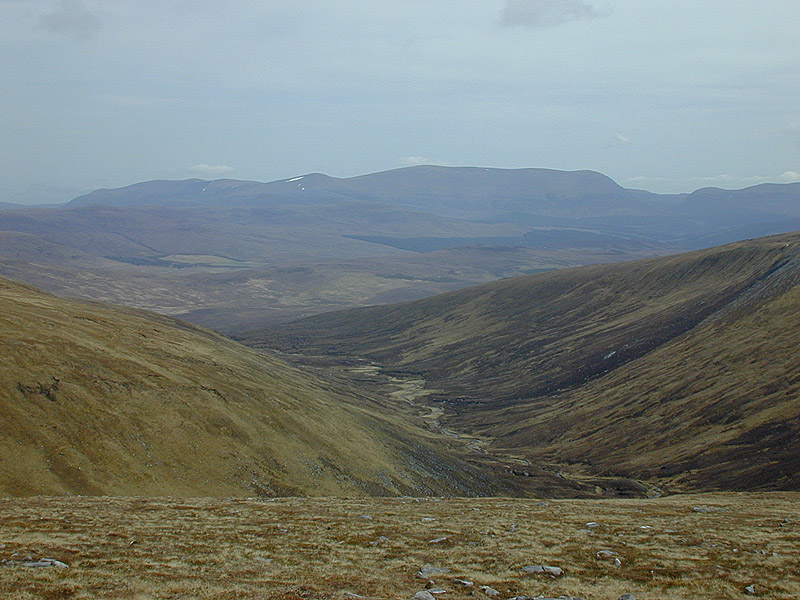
column 174, row 246
column 540, row 197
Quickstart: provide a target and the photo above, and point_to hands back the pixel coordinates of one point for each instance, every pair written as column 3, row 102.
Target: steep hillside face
column 534, row 335
column 102, row 400
column 716, row 408
column 682, row 369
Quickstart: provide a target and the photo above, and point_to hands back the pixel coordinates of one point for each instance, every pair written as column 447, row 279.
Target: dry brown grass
column 136, row 548
column 681, row 371
column 102, row 400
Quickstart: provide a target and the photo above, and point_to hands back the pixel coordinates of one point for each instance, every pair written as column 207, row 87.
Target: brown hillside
column 102, row 400
column 683, row 369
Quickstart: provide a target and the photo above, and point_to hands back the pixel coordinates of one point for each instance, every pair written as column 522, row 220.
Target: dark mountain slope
column 681, row 369
column 716, row 408
column 537, row 334
column 102, row 400
column 772, row 198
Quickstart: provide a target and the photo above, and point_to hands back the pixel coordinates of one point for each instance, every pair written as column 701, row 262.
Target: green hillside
column 98, row 400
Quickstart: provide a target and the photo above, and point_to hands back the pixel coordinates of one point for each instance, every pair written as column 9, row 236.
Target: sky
column 664, row 96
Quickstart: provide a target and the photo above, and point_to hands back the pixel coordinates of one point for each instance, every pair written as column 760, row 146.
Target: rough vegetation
column 681, row 369
column 681, row 548
column 234, row 255
column 104, row 400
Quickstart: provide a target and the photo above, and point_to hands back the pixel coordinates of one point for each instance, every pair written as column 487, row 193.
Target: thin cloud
column 211, row 169
column 416, row 161
column 131, row 101
column 548, row 13
column 71, row 19
column 789, row 177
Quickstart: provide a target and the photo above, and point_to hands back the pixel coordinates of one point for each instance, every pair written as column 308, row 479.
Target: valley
column 101, row 400
column 526, row 395
column 676, row 373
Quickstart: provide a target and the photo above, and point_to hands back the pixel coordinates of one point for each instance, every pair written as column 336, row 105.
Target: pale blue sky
column 666, row 96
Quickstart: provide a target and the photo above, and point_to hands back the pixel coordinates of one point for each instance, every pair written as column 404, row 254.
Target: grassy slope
column 549, row 331
column 103, row 400
column 717, row 407
column 617, row 366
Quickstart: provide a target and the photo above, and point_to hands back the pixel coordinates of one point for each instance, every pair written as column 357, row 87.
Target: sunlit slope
column 103, row 400
column 684, row 369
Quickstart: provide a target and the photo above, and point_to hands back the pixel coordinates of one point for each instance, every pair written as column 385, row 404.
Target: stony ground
column 681, row 547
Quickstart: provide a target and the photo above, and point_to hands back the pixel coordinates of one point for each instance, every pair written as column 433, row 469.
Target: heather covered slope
column 102, row 400
column 681, row 369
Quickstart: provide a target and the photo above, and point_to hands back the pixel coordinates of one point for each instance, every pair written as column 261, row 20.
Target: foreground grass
column 705, row 546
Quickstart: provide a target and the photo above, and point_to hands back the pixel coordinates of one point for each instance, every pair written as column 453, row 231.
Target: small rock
column 554, row 571
column 423, row 595
column 437, row 590
column 489, row 591
column 438, row 540
column 627, row 597
column 533, row 569
column 602, row 554
column 617, row 562
column 429, row 571
column 463, row 582
column 46, row 562
column 367, row 517
column 383, row 538
column 592, row 525
column 751, row 589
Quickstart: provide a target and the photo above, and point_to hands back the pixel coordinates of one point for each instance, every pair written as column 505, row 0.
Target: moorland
column 233, row 255
column 616, row 399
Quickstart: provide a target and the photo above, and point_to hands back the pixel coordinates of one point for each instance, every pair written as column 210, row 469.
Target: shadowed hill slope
column 683, row 369
column 103, row 400
column 536, row 334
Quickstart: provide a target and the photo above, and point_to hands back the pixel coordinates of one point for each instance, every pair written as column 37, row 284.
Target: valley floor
column 677, row 547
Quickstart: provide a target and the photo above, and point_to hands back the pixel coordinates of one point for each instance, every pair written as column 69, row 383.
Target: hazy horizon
column 663, row 97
